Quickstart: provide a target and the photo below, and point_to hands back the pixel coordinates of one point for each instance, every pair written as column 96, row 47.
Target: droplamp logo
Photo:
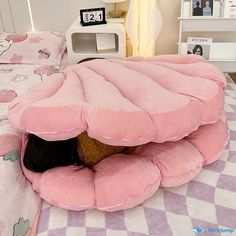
column 198, row 230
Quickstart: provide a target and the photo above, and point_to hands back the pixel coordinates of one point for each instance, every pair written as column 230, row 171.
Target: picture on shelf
column 199, row 46
column 230, row 8
column 202, row 7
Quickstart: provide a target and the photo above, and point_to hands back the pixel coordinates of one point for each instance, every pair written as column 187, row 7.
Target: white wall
column 20, row 15
column 168, row 38
column 47, row 14
column 7, row 23
column 1, row 26
column 46, row 17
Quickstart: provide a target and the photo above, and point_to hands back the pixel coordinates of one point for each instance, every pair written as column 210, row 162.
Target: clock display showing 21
column 92, row 16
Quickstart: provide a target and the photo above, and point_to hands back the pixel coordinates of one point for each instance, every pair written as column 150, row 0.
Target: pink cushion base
column 124, row 181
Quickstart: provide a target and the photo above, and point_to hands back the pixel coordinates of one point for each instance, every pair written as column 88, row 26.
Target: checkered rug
column 206, row 205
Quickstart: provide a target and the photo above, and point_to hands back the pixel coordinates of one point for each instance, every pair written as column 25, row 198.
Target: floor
column 233, row 76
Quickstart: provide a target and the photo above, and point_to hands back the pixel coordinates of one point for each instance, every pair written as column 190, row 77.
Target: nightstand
column 81, row 41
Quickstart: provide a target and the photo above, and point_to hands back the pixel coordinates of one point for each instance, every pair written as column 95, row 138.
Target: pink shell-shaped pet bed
column 170, row 107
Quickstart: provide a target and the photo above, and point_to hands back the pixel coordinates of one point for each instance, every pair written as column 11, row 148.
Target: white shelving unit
column 222, row 54
column 81, row 41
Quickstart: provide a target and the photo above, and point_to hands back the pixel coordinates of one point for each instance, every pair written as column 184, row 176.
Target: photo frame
column 93, row 16
column 202, row 8
column 199, row 46
column 229, row 9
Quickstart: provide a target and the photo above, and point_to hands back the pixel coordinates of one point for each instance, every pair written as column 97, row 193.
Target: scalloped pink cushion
column 144, row 102
column 123, row 181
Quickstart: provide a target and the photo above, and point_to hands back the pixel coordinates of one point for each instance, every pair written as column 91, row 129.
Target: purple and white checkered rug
column 205, row 206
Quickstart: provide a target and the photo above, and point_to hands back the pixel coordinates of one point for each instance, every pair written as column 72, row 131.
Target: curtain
column 143, row 25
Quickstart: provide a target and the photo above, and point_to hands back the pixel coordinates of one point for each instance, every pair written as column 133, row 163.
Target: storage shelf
column 84, row 43
column 213, row 60
column 222, row 54
column 218, row 51
column 207, row 18
column 212, row 24
column 225, row 66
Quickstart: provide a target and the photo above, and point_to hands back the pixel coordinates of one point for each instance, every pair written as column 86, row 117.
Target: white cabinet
column 222, row 54
column 81, row 41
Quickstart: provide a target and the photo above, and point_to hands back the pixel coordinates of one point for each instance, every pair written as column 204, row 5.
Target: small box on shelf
column 116, row 20
column 121, row 19
column 106, row 42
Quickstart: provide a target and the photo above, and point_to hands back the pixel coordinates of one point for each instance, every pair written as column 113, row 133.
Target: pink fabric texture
column 123, row 102
column 44, row 48
column 124, row 181
column 144, row 102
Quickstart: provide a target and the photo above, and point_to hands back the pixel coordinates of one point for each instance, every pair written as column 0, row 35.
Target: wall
column 168, row 38
column 69, row 10
column 47, row 14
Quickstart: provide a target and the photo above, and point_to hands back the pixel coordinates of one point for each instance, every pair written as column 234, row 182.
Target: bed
column 206, row 203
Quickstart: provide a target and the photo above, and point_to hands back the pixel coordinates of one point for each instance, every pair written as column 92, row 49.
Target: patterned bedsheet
column 205, row 206
column 19, row 204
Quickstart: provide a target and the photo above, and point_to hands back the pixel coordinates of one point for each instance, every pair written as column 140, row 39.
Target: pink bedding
column 19, row 203
column 147, row 102
column 42, row 48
